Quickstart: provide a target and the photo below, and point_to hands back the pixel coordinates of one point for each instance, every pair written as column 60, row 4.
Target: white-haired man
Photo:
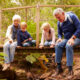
column 10, row 45
column 69, row 27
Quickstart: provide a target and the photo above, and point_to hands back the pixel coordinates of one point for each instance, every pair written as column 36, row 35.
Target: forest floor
column 27, row 71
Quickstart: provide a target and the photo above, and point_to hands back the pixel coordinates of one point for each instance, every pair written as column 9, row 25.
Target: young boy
column 23, row 37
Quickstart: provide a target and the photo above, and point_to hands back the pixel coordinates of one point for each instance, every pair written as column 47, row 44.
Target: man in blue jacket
column 69, row 26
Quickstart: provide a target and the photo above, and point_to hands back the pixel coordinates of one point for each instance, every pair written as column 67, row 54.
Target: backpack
column 68, row 16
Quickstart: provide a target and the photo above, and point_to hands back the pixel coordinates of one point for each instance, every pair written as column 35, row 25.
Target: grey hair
column 58, row 11
column 16, row 17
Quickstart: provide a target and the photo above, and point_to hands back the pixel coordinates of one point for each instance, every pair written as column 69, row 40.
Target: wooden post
column 0, row 19
column 26, row 15
column 37, row 25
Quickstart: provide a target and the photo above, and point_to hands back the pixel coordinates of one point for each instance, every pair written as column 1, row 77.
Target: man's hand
column 41, row 46
column 52, row 46
column 71, row 42
column 59, row 40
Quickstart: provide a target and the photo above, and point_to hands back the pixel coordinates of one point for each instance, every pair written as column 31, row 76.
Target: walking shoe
column 5, row 67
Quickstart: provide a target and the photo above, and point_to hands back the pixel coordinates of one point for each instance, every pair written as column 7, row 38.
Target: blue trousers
column 48, row 43
column 69, row 51
column 9, row 51
column 29, row 43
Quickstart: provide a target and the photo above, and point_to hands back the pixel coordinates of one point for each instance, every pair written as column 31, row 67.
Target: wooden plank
column 15, row 8
column 31, row 50
column 37, row 25
column 59, row 5
column 0, row 19
column 38, row 50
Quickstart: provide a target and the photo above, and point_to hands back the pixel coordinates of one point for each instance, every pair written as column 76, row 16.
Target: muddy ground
column 27, row 71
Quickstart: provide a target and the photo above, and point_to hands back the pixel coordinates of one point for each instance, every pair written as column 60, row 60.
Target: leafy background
column 46, row 13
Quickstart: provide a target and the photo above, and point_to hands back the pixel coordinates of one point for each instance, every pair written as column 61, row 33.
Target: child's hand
column 52, row 46
column 18, row 46
column 25, row 41
column 40, row 46
column 30, row 39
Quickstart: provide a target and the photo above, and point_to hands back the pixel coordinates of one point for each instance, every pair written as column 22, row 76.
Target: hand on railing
column 52, row 46
column 41, row 46
column 18, row 46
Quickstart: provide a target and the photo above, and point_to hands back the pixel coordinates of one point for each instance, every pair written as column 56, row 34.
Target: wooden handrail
column 59, row 5
column 15, row 8
column 24, row 7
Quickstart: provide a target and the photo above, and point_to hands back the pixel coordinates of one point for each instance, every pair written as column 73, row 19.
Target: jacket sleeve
column 59, row 30
column 9, row 33
column 76, row 23
column 29, row 36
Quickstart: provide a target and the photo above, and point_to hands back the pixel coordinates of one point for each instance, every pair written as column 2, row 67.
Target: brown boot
column 70, row 75
column 58, row 71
